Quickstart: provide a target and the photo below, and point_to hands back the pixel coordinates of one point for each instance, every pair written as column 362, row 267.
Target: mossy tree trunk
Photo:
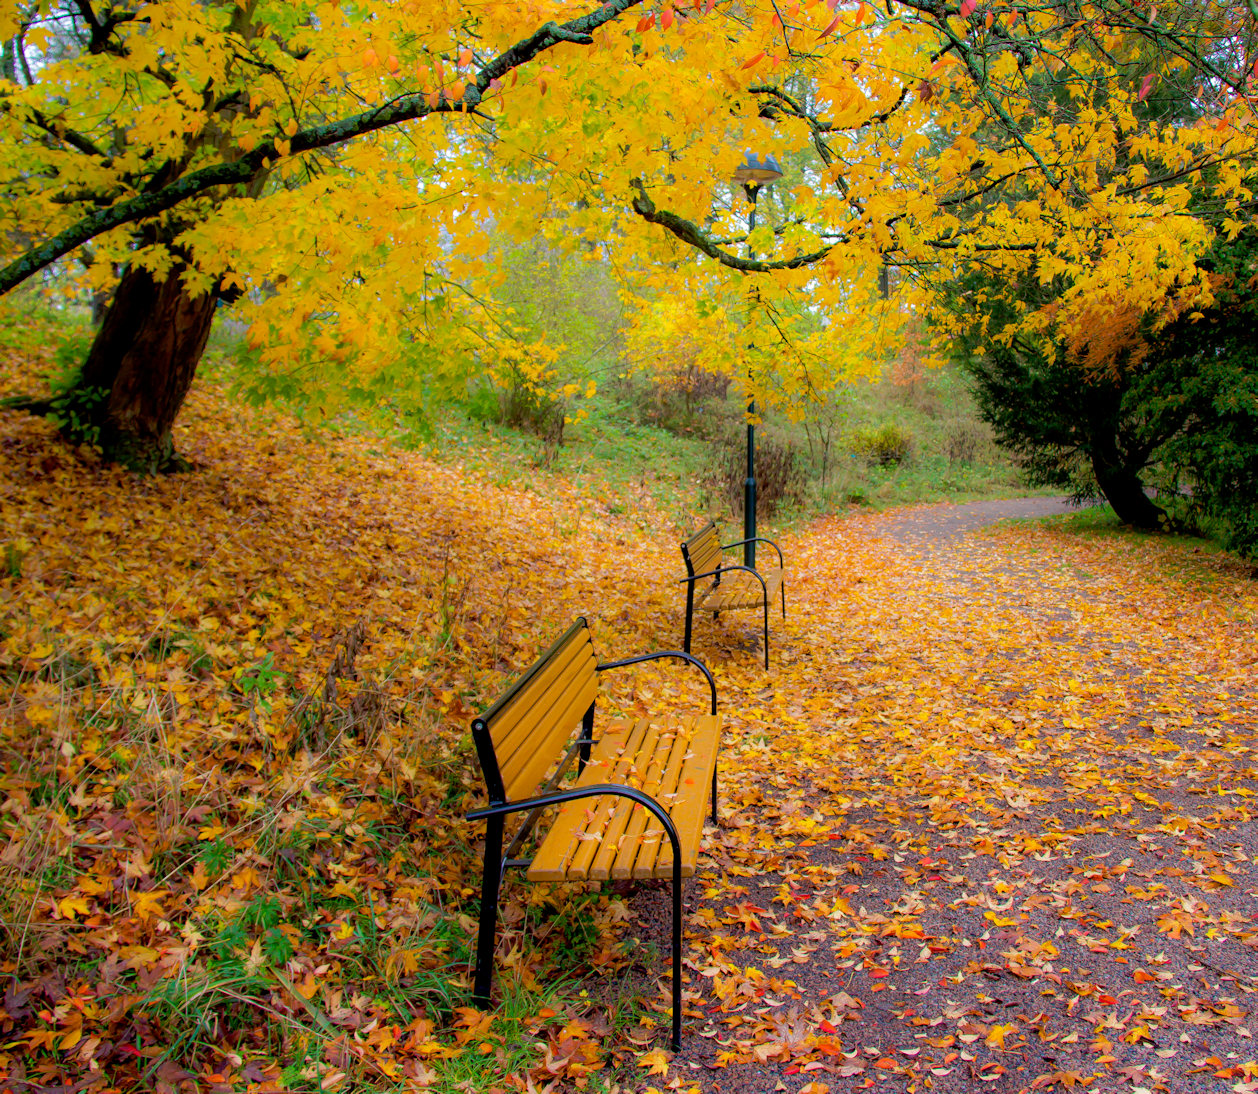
column 141, row 365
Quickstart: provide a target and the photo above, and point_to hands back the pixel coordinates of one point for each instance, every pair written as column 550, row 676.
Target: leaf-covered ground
column 985, row 823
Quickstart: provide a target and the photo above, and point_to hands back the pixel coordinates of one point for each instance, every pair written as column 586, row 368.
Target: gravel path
column 1000, row 836
column 940, row 526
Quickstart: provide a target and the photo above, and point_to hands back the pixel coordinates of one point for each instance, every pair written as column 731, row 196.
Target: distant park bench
column 715, row 585
column 649, row 784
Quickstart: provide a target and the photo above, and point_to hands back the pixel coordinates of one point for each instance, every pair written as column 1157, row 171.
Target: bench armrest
column 659, row 654
column 723, row 570
column 757, row 539
column 558, row 797
column 729, row 569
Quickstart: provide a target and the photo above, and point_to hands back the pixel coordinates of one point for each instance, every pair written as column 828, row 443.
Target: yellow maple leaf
column 997, row 1034
column 655, row 1061
column 70, row 905
column 148, row 904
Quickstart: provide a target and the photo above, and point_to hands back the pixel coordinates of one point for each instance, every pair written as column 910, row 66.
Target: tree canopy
column 351, row 172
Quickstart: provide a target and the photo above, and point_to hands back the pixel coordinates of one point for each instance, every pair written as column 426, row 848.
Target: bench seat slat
column 621, row 760
column 692, row 787
column 652, row 854
column 643, row 833
column 681, row 755
column 740, row 590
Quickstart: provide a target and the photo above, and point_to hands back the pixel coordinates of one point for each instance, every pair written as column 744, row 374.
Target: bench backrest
column 520, row 737
column 702, row 551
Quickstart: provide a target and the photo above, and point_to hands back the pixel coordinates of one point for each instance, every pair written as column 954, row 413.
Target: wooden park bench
column 706, row 590
column 633, row 807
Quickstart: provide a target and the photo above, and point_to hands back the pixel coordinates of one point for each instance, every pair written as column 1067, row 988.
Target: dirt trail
column 987, row 823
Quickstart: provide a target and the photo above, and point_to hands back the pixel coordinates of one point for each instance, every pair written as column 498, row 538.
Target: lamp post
column 754, row 173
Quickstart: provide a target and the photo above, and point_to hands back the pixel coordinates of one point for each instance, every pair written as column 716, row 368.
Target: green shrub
column 883, row 446
column 520, row 405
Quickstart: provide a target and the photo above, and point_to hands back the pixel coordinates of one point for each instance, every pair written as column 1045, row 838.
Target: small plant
column 883, row 446
column 684, row 400
column 74, row 409
column 260, row 681
column 14, row 553
column 524, row 404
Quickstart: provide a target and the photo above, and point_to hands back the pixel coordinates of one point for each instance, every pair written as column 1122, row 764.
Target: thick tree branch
column 690, row 233
column 102, row 30
column 406, row 108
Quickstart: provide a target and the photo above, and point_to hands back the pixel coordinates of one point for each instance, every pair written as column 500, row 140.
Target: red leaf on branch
column 754, row 60
column 1146, row 86
column 967, row 8
column 830, row 29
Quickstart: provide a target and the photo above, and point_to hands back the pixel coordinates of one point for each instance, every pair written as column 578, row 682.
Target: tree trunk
column 142, row 364
column 1125, row 493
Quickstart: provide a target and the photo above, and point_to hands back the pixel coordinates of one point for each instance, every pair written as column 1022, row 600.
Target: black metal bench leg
column 782, row 589
column 766, row 635
column 587, row 739
column 490, row 886
column 676, row 953
column 690, row 608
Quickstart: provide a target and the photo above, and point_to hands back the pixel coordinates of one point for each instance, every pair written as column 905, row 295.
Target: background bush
column 781, row 479
column 883, row 446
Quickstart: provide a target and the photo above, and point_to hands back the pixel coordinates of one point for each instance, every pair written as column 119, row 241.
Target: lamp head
column 758, row 170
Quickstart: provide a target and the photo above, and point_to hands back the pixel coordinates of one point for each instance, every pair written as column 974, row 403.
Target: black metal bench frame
column 689, row 581
column 499, row 859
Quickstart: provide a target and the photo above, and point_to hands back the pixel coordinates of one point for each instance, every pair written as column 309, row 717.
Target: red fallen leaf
column 826, row 1027
column 878, row 974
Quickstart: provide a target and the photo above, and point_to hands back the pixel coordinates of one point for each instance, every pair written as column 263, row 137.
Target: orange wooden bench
column 650, row 786
column 715, row 585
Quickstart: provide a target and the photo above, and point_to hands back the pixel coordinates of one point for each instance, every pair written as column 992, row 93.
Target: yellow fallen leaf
column 655, row 1061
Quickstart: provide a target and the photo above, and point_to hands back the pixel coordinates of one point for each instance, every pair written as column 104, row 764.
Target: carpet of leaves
column 986, row 823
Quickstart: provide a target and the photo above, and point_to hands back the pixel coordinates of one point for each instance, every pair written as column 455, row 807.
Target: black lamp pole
column 752, row 190
column 754, row 173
